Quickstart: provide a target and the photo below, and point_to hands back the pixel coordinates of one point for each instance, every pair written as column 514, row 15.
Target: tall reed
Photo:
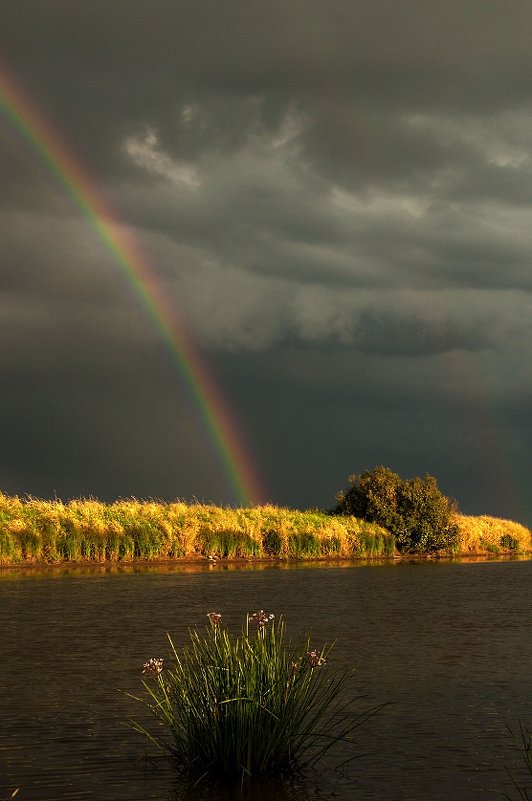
column 33, row 530
column 485, row 534
column 524, row 740
column 248, row 705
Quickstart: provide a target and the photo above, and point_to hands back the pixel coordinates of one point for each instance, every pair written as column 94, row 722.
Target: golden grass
column 33, row 530
column 484, row 534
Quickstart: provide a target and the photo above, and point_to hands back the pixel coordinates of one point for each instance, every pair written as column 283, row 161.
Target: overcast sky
column 337, row 195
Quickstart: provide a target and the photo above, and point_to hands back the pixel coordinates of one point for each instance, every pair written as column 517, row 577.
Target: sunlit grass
column 33, row 530
column 250, row 705
column 484, row 534
column 13, row 794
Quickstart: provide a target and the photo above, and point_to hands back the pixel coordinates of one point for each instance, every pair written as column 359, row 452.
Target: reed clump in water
column 33, row 530
column 248, row 706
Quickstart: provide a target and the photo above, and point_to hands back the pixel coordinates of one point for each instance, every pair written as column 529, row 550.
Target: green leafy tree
column 415, row 511
column 372, row 496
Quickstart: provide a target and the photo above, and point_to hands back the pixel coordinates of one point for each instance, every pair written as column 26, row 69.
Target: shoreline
column 199, row 561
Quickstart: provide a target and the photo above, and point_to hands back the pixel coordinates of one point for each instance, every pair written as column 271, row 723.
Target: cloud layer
column 337, row 199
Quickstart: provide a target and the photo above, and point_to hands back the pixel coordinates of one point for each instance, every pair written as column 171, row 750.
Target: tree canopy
column 414, row 510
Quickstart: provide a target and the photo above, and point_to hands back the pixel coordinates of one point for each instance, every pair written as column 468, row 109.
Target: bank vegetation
column 50, row 531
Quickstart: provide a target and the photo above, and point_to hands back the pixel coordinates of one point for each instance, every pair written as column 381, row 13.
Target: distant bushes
column 418, row 515
column 33, row 530
column 422, row 520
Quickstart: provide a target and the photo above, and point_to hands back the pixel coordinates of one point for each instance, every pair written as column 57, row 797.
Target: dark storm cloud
column 337, row 198
column 136, row 62
column 82, row 426
column 463, row 39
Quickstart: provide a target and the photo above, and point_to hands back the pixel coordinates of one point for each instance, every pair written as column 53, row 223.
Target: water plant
column 248, row 705
column 524, row 740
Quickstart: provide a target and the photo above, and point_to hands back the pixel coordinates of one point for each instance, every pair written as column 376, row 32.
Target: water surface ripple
column 449, row 644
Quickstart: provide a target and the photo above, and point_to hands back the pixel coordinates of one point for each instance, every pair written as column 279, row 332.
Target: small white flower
column 315, row 660
column 153, row 666
column 261, row 618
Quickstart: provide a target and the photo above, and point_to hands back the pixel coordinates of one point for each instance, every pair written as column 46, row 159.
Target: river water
column 448, row 644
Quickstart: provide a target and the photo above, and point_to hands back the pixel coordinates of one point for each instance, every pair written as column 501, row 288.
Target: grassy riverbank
column 492, row 535
column 51, row 531
column 33, row 530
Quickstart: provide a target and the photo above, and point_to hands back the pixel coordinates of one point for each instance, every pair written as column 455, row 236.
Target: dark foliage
column 415, row 511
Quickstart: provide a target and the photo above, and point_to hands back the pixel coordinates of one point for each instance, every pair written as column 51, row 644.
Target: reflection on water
column 200, row 565
column 181, row 566
column 310, row 786
column 450, row 644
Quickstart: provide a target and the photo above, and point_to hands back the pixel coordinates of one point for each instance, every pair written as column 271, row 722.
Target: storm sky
column 337, row 198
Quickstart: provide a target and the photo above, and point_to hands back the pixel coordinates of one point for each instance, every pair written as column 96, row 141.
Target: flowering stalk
column 248, row 705
column 153, row 667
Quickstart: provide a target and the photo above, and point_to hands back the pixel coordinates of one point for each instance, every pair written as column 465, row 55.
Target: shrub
column 414, row 511
column 372, row 496
column 248, row 706
column 272, row 543
column 509, row 543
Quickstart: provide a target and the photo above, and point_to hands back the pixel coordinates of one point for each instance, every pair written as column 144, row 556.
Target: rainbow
column 47, row 144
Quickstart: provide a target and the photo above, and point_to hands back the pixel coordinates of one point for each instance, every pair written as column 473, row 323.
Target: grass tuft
column 250, row 705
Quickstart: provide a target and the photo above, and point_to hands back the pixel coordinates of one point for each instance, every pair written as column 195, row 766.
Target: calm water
column 449, row 644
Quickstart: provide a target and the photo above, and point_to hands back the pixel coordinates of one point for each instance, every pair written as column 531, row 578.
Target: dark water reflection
column 449, row 644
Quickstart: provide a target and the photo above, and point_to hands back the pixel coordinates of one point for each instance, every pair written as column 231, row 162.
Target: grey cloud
column 276, row 40
column 384, row 55
column 262, row 213
column 336, row 198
